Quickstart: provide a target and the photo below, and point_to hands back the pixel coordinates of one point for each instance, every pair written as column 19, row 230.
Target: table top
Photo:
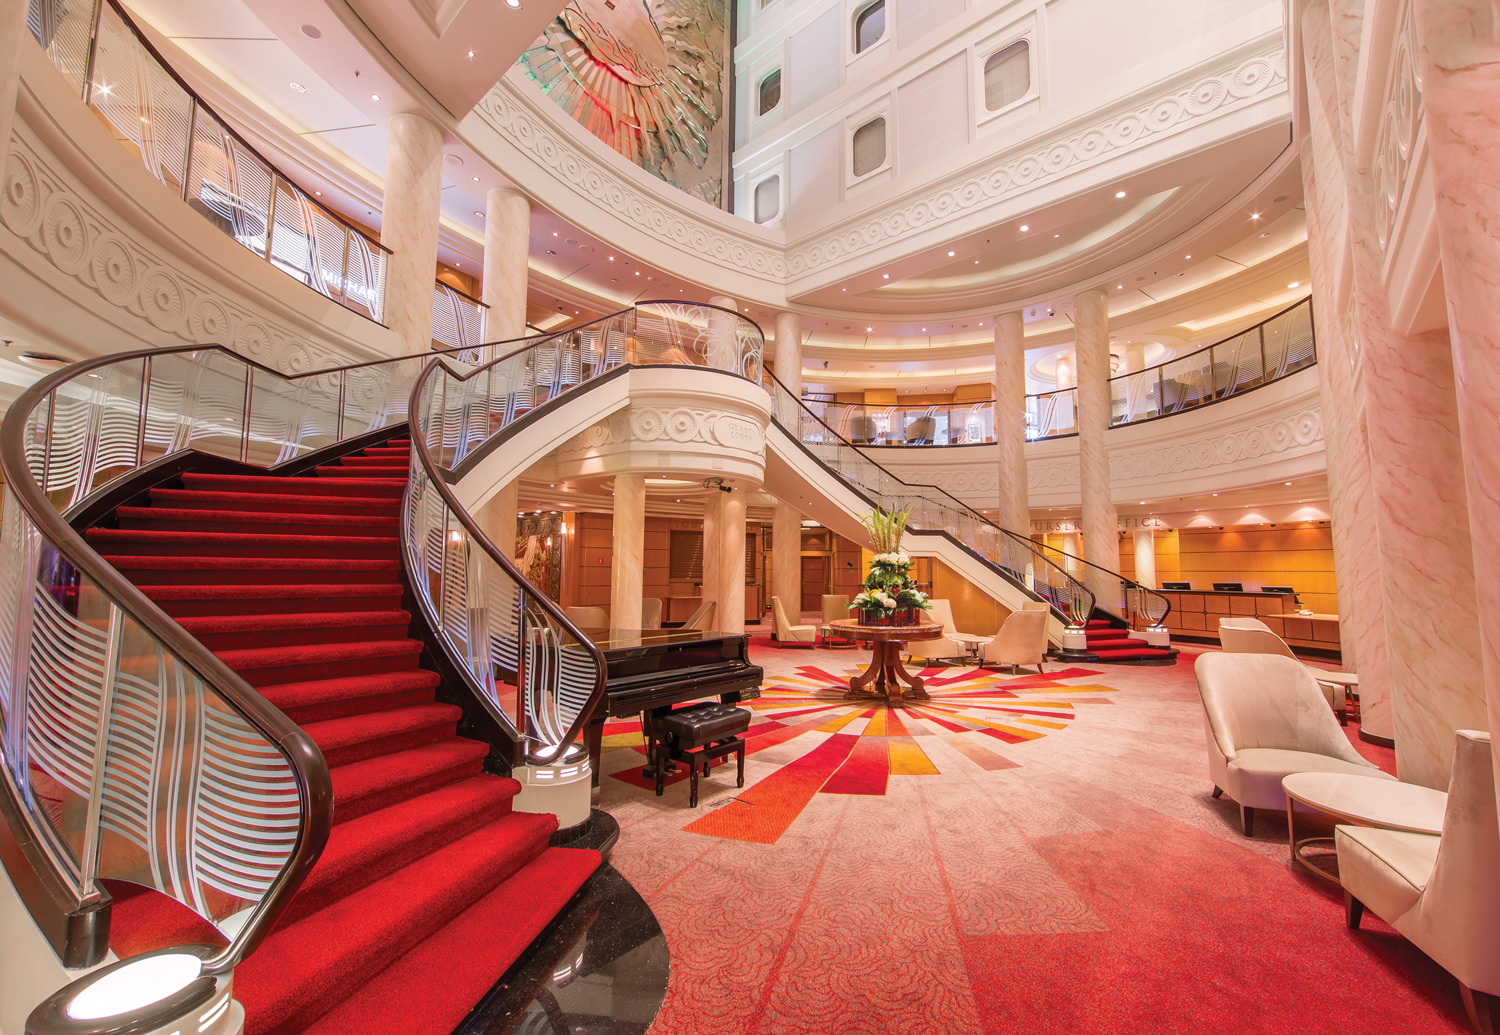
column 1370, row 800
column 850, row 628
column 969, row 638
column 1337, row 678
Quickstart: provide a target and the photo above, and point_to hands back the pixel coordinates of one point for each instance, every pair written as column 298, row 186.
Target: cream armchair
column 1265, row 719
column 1022, row 640
column 588, row 617
column 836, row 608
column 787, row 634
column 1252, row 636
column 651, row 612
column 945, row 648
column 702, row 618
column 1442, row 893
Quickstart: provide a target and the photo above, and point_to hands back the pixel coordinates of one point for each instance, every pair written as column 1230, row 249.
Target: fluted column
column 1460, row 82
column 732, row 562
column 1411, row 422
column 13, row 35
column 721, row 325
column 507, row 239
column 497, row 518
column 788, row 355
column 1101, row 523
column 1010, row 420
column 713, row 551
column 409, row 227
column 628, row 544
column 786, row 558
column 1145, row 558
column 1355, row 532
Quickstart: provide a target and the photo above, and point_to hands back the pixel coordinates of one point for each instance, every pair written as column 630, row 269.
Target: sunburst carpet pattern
column 1038, row 854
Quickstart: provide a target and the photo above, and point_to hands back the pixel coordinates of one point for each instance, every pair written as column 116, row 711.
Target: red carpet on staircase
column 1111, row 643
column 431, row 885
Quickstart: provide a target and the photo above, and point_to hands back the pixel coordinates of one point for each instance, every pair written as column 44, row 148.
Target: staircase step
column 149, row 543
column 395, row 462
column 207, row 601
column 336, row 950
column 360, row 788
column 354, row 738
column 364, row 850
column 493, row 932
column 261, row 666
column 252, row 522
column 278, row 502
column 400, row 451
column 243, row 632
column 316, row 700
column 359, row 474
column 218, row 571
column 301, row 486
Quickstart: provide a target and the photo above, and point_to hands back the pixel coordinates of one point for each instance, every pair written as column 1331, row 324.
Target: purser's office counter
column 1195, row 615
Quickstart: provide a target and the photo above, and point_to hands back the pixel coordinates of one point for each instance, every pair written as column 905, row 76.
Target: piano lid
column 621, row 640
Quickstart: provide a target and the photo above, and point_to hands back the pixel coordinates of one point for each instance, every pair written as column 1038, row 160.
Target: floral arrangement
column 888, row 595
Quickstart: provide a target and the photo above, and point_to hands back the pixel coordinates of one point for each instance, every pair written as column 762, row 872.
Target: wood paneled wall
column 1299, row 555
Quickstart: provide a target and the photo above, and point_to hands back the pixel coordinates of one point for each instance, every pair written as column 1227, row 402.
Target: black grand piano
column 650, row 670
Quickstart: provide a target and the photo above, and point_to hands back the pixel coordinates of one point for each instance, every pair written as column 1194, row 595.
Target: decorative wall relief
column 647, row 77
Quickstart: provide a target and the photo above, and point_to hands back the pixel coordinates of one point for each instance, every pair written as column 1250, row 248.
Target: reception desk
column 1195, row 616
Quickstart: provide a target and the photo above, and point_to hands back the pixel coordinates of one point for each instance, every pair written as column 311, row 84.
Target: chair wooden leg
column 1247, row 820
column 739, row 755
column 1483, row 1010
column 1218, row 791
column 1354, row 909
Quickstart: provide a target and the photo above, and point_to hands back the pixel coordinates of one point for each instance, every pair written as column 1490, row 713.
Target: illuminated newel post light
column 155, row 993
column 889, row 596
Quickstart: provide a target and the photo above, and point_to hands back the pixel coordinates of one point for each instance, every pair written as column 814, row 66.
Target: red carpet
column 1110, row 643
column 430, row 885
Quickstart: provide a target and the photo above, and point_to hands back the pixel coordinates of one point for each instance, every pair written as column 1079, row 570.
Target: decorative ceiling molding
column 526, row 119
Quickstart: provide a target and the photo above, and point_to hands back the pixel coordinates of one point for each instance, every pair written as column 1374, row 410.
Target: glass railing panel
column 228, row 185
column 65, row 29
column 290, row 418
column 196, row 400
column 1052, row 414
column 291, row 238
column 141, row 102
column 94, row 432
column 1134, row 396
column 1289, row 342
column 1186, row 383
column 376, row 396
column 1238, row 363
column 364, row 279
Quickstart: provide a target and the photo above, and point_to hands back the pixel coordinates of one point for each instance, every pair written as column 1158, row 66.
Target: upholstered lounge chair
column 651, row 612
column 836, row 608
column 1022, row 640
column 588, row 617
column 1266, row 718
column 943, row 649
column 703, row 618
column 1442, row 893
column 787, row 634
column 1252, row 636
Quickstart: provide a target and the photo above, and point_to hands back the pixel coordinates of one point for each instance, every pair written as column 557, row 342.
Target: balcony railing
column 185, row 145
column 457, row 318
column 1265, row 353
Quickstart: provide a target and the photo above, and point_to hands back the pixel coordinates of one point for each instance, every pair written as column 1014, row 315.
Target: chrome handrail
column 517, row 650
column 1135, row 597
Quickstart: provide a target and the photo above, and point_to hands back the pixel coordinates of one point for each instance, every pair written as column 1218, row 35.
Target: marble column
column 713, row 551
column 1101, row 523
column 497, row 518
column 1145, row 558
column 722, row 352
column 13, row 36
column 628, row 559
column 507, row 244
column 1355, row 531
column 409, row 227
column 732, row 562
column 1010, row 421
column 787, row 358
column 1411, row 422
column 1135, row 357
column 1460, row 62
column 786, row 558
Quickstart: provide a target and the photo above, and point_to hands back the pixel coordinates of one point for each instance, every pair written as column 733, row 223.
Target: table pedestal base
column 1299, row 846
column 884, row 678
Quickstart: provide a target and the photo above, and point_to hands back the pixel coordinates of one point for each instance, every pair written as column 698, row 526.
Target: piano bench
column 700, row 733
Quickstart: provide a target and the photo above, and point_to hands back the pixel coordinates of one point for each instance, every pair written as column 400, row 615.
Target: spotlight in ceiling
column 1295, row 283
column 476, row 179
column 512, row 3
column 885, row 276
column 1119, row 194
column 479, row 214
column 297, row 87
column 1255, row 215
column 868, row 329
column 951, row 254
column 1024, row 228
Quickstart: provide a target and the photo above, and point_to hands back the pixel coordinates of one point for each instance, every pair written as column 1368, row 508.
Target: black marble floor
column 600, row 968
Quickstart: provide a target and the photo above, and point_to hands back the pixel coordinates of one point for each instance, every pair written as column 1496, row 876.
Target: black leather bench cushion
column 704, row 723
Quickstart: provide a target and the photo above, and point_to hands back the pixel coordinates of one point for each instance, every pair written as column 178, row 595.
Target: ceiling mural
column 647, row 77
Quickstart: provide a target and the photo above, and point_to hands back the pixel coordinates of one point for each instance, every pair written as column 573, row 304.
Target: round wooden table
column 1362, row 800
column 883, row 678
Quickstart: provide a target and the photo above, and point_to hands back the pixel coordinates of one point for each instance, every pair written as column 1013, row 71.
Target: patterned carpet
column 1016, row 855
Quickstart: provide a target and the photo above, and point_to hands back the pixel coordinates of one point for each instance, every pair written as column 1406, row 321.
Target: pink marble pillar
column 732, row 562
column 713, row 551
column 1010, row 420
column 1460, row 61
column 1355, row 531
column 1101, row 522
column 507, row 243
column 1411, row 423
column 629, row 547
column 409, row 227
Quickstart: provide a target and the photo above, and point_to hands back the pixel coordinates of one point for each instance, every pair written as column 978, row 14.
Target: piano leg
column 593, row 739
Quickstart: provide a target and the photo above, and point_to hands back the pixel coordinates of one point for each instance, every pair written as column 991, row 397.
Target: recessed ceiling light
column 471, row 53
column 1265, row 235
column 1216, row 494
column 374, row 96
column 1119, row 194
column 479, row 214
column 951, row 254
column 867, row 329
column 1255, row 215
column 554, row 234
column 885, row 276
column 1119, row 287
column 476, row 179
column 1024, row 228
column 312, row 32
column 976, row 262
column 297, row 87
column 611, row 258
column 1187, row 256
column 1056, row 236
column 924, row 330
column 317, row 193
column 512, row 3
column 1295, row 283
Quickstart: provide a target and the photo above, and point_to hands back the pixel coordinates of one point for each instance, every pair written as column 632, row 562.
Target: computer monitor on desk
column 1229, row 587
column 1177, row 585
column 1288, row 590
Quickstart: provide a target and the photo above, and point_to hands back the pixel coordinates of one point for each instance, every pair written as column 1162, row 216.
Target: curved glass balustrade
column 1265, row 353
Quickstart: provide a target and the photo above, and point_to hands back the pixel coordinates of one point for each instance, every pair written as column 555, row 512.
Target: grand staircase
column 431, row 885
